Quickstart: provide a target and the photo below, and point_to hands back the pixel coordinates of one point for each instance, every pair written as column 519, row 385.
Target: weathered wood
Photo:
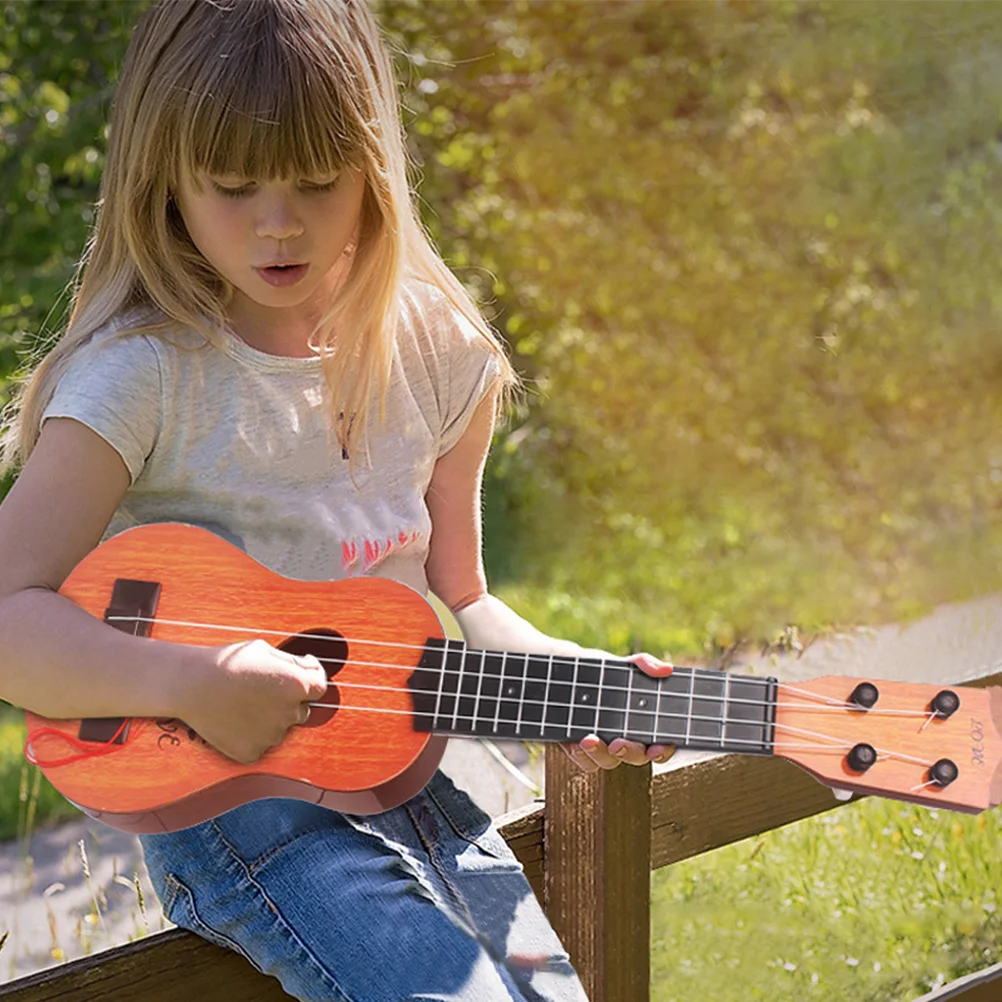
column 597, row 874
column 748, row 796
column 160, row 968
column 522, row 829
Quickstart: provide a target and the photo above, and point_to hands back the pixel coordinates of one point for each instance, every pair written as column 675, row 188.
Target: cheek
column 212, row 228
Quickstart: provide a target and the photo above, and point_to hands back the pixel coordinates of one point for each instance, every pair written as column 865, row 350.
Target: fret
column 480, row 687
column 448, row 692
column 688, row 711
column 459, row 688
column 599, row 697
column 723, row 719
column 644, row 698
column 628, row 729
column 656, row 730
column 612, row 713
column 512, row 677
column 574, row 685
column 521, row 697
column 559, row 709
column 488, row 705
column 751, row 714
column 707, row 709
column 441, row 684
column 546, row 694
column 534, row 696
column 425, row 684
column 586, row 697
column 465, row 716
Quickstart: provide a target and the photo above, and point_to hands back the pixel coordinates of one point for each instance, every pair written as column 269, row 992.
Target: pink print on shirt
column 369, row 552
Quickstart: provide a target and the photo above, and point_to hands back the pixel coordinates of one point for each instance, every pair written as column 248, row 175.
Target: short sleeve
column 113, row 386
column 473, row 367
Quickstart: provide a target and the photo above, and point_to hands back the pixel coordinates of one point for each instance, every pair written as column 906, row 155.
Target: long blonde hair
column 261, row 88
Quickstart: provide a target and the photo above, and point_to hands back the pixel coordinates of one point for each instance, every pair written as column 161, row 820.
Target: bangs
column 263, row 108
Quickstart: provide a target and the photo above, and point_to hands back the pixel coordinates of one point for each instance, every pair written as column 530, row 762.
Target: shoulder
column 435, row 327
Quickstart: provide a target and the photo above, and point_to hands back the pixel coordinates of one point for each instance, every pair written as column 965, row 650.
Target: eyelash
column 313, row 189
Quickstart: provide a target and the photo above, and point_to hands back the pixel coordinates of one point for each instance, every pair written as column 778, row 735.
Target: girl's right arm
column 59, row 661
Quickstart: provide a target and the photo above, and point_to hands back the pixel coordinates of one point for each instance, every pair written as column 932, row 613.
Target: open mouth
column 283, row 274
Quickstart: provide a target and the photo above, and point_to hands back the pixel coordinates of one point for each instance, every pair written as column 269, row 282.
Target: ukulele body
column 370, row 633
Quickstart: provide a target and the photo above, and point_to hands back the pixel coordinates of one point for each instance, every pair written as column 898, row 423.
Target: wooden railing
column 588, row 856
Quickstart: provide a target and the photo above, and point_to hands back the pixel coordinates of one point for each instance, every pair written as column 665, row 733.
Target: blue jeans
column 423, row 902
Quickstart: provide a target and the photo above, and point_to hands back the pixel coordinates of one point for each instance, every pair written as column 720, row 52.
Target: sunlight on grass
column 876, row 901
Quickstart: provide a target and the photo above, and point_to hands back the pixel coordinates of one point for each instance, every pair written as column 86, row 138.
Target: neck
column 460, row 691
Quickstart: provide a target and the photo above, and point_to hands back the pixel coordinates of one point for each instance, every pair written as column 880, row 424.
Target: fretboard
column 461, row 691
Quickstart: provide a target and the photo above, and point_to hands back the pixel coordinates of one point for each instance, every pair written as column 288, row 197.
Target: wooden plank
column 981, row 986
column 597, row 874
column 728, row 798
column 522, row 829
column 160, row 968
column 167, row 965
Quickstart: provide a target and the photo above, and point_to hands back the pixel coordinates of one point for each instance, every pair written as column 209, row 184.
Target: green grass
column 874, row 902
column 27, row 798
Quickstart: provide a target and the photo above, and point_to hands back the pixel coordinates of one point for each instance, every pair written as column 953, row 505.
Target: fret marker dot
column 642, row 702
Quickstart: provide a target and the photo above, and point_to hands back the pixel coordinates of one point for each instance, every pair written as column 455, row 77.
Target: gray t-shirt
column 238, row 441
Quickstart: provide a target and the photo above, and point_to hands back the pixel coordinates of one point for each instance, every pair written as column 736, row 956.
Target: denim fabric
column 423, row 902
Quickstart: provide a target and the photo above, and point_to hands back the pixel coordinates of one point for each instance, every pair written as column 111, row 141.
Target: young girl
column 264, row 343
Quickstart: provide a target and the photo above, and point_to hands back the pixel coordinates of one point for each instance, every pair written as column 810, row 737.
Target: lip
column 283, row 273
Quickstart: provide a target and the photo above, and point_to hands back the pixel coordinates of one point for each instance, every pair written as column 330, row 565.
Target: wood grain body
column 906, row 740
column 358, row 760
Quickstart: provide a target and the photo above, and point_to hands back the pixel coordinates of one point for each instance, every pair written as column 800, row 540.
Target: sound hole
column 331, row 650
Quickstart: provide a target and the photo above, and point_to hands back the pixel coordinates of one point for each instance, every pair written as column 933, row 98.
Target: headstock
column 934, row 744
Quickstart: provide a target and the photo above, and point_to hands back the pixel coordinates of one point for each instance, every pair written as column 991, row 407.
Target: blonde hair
column 262, row 88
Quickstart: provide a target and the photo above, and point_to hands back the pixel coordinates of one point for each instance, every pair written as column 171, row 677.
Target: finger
column 631, row 752
column 579, row 757
column 304, row 713
column 599, row 752
column 651, row 665
column 660, row 753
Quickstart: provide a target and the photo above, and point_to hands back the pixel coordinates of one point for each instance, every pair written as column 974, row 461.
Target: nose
column 279, row 218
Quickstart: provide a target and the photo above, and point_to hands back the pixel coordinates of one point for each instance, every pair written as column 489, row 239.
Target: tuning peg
column 864, row 695
column 944, row 772
column 861, row 757
column 945, row 703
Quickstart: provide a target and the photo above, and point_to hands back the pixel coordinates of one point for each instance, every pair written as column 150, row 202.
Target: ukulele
column 397, row 689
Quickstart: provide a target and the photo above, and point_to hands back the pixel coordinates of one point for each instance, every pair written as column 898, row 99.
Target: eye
column 316, row 188
column 233, row 192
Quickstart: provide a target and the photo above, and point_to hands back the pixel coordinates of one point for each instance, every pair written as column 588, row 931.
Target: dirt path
column 54, row 912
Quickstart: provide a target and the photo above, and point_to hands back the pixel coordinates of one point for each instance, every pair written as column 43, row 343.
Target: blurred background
column 746, row 257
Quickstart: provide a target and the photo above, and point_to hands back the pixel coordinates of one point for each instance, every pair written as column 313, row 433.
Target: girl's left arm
column 456, row 575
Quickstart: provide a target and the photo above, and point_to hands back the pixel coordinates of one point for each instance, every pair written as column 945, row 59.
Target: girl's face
column 276, row 242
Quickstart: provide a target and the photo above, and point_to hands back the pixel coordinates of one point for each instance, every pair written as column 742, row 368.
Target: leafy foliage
column 741, row 253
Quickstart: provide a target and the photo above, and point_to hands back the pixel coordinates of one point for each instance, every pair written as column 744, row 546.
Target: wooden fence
column 587, row 855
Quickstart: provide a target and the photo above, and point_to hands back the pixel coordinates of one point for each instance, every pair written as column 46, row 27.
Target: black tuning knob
column 945, row 703
column 861, row 757
column 864, row 695
column 944, row 772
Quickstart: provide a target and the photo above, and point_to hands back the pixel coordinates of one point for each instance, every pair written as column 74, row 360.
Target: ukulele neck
column 460, row 691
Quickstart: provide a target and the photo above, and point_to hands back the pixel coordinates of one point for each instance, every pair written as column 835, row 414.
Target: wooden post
column 597, row 874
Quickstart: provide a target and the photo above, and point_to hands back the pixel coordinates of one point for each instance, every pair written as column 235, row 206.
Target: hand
column 592, row 753
column 243, row 698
